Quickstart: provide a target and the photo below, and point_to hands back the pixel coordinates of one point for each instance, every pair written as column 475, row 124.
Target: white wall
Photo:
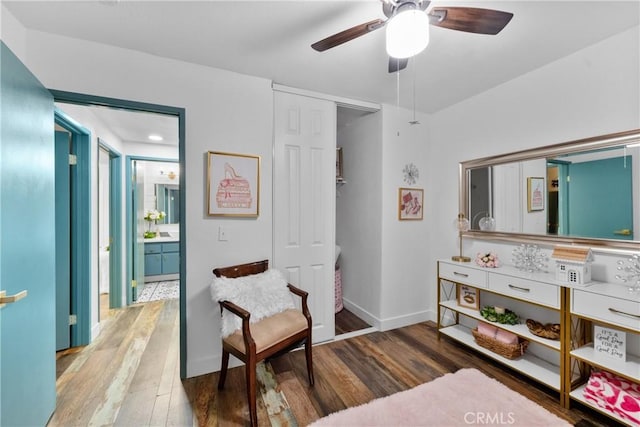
column 406, row 245
column 594, row 91
column 359, row 216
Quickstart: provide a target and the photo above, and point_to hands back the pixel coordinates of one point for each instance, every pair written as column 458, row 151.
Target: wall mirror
column 584, row 192
column 167, row 200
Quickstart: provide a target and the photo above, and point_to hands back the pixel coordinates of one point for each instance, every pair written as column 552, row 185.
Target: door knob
column 4, row 299
column 623, row 232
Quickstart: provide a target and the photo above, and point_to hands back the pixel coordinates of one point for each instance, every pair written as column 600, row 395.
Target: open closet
column 358, row 219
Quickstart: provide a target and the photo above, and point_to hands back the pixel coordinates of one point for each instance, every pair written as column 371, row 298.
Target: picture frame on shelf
column 233, row 184
column 535, row 194
column 410, row 203
column 609, row 343
column 468, row 297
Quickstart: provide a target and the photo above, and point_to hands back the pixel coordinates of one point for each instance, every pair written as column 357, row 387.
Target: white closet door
column 304, row 201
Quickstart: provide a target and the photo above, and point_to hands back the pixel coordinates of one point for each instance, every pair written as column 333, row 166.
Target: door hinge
column 134, row 284
column 73, row 319
column 568, row 178
column 73, row 160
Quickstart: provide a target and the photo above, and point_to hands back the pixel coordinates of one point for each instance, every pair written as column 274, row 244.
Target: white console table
column 564, row 364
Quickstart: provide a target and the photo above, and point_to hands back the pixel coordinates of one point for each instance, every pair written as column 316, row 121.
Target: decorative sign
column 610, row 343
column 468, row 297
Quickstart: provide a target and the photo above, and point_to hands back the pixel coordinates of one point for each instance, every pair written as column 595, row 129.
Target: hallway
column 130, row 375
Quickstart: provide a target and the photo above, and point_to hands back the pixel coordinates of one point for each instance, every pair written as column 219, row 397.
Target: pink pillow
column 506, row 337
column 487, row 329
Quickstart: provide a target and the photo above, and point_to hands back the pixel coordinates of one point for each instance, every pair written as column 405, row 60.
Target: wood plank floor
column 347, row 322
column 130, row 376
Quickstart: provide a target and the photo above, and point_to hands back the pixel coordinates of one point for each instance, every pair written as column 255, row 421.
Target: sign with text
column 610, row 343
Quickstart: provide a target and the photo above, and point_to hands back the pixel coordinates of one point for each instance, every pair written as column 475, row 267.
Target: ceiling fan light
column 407, row 33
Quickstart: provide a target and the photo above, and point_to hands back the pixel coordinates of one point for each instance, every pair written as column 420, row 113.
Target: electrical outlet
column 222, row 234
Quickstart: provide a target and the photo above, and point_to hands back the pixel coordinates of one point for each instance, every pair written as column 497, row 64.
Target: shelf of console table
column 629, row 368
column 578, row 396
column 520, row 329
column 528, row 364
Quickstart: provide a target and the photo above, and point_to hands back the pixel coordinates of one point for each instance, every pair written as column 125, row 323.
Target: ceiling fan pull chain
column 398, row 90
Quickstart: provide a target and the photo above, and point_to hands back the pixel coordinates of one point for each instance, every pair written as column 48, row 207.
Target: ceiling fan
column 408, row 27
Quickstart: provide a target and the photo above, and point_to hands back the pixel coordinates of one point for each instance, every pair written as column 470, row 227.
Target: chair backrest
column 242, row 269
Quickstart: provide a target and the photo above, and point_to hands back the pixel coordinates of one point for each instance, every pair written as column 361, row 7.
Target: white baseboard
column 390, row 323
column 361, row 313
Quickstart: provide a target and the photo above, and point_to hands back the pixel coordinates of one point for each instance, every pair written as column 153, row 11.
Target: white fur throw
column 262, row 295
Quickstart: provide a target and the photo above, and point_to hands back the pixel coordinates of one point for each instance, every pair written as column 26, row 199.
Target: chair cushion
column 271, row 330
column 262, row 295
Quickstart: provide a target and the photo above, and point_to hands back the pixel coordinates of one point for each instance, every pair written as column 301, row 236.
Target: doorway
column 73, row 231
column 153, row 228
column 109, row 194
column 179, row 115
column 357, row 235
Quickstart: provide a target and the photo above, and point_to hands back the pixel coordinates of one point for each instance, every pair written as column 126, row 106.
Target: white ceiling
column 272, row 39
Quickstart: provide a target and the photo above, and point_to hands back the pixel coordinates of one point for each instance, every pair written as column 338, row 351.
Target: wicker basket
column 510, row 351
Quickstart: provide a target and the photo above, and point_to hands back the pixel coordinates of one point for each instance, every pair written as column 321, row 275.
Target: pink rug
column 466, row 398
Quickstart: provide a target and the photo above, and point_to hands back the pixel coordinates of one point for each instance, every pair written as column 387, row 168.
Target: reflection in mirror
column 596, row 195
column 167, row 197
column 591, row 190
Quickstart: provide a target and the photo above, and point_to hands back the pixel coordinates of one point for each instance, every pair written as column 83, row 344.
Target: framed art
column 535, row 194
column 410, row 203
column 468, row 297
column 233, row 184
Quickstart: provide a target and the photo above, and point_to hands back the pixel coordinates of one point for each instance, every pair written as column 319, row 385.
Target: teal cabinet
column 161, row 258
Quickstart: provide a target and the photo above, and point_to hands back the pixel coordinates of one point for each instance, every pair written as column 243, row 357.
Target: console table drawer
column 620, row 312
column 524, row 289
column 461, row 274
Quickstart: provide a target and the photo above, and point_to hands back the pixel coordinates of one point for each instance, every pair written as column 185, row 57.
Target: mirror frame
column 587, row 144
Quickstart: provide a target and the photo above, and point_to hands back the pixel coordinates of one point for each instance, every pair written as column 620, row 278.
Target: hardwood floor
column 347, row 322
column 130, row 377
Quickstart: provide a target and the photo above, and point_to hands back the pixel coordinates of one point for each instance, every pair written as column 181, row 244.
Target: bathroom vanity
column 161, row 258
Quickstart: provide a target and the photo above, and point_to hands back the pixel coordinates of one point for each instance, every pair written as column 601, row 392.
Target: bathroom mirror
column 585, row 191
column 167, row 200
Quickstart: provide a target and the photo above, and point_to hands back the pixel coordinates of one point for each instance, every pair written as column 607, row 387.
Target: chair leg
column 308, row 353
column 250, row 368
column 223, row 369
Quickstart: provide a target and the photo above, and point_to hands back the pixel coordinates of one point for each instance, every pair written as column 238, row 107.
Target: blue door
column 600, row 199
column 137, row 228
column 27, row 246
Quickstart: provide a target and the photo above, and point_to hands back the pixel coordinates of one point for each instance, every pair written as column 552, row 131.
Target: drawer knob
column 518, row 288
column 460, row 274
column 622, row 313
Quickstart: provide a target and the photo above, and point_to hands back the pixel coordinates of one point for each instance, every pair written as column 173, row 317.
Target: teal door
column 600, row 199
column 27, row 246
column 63, row 241
column 138, row 228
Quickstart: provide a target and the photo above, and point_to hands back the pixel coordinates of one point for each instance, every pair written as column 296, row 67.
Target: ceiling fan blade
column 470, row 19
column 346, row 35
column 397, row 64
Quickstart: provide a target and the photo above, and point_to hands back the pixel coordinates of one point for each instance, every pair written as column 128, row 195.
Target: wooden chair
column 268, row 338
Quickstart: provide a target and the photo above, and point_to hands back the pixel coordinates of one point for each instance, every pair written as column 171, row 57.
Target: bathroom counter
column 173, row 237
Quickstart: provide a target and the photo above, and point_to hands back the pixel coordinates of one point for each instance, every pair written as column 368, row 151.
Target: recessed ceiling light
column 154, row 137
